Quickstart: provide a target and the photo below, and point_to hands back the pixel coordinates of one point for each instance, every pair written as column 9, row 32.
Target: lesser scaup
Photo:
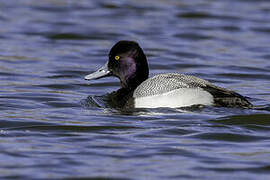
column 128, row 62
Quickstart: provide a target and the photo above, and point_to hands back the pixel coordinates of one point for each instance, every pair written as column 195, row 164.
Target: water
column 54, row 124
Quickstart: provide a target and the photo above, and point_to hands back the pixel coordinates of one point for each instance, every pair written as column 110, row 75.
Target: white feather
column 182, row 97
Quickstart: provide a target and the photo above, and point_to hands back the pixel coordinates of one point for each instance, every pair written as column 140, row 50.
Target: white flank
column 177, row 98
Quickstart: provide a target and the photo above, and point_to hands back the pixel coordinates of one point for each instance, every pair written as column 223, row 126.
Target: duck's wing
column 164, row 83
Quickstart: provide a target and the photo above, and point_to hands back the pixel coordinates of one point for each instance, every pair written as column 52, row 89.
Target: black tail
column 227, row 98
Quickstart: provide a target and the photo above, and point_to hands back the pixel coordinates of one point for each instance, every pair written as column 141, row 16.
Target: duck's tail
column 227, row 98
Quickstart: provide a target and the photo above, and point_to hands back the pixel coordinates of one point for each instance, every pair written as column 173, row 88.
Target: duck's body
column 171, row 90
column 128, row 62
column 180, row 90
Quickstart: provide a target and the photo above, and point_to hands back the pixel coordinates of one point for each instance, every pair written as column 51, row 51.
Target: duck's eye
column 117, row 58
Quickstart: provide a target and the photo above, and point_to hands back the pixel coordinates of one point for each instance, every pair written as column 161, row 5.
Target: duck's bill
column 100, row 73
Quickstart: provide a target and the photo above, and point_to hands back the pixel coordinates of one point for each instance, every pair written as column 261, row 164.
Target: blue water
column 56, row 125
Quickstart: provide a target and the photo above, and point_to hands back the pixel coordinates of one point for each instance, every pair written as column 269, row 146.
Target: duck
column 128, row 62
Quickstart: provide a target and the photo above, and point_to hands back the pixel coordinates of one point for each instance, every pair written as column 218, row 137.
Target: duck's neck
column 130, row 84
column 133, row 81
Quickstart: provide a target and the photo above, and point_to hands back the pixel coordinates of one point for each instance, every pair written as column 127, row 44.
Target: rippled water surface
column 54, row 124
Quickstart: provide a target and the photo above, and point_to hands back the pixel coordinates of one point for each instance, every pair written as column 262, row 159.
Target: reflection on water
column 54, row 124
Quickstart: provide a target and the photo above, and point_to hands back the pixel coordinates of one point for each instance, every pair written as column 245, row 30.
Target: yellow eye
column 117, row 58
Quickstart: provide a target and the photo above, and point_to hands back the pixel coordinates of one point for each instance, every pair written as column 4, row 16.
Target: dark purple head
column 128, row 62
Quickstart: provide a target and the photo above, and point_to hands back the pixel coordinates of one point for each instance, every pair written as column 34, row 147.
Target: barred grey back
column 163, row 83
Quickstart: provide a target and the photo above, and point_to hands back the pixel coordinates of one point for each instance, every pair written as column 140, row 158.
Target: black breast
column 121, row 98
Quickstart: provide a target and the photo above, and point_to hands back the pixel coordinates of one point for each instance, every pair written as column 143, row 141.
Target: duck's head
column 128, row 62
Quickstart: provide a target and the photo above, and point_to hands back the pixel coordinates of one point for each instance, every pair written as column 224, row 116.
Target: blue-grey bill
column 101, row 72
